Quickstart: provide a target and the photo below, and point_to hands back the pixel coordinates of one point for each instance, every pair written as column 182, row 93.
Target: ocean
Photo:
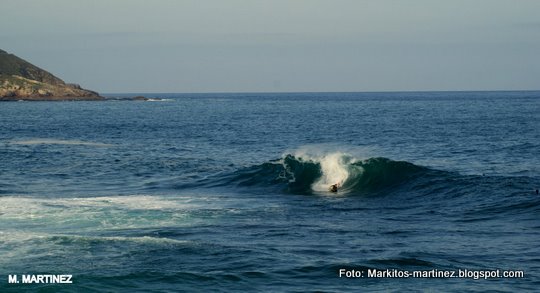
column 230, row 192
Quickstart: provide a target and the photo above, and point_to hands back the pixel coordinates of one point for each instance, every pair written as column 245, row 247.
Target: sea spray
column 334, row 170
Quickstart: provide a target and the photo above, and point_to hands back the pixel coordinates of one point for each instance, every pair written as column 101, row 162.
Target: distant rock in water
column 143, row 98
column 20, row 80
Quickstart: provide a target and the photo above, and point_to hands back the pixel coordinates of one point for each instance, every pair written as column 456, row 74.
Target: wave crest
column 303, row 174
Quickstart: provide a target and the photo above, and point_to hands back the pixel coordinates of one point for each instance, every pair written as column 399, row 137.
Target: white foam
column 133, row 202
column 140, row 239
column 14, row 204
column 44, row 224
column 334, row 166
column 14, row 237
column 94, row 214
column 19, row 236
column 159, row 100
column 36, row 141
column 26, row 245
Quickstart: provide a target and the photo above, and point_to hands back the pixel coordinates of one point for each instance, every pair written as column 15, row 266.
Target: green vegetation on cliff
column 21, row 80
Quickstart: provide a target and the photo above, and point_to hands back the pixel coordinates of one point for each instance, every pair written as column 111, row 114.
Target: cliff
column 20, row 80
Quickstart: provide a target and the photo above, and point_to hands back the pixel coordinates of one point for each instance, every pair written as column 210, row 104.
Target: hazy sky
column 279, row 45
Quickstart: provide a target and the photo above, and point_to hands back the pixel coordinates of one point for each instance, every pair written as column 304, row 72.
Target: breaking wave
column 302, row 174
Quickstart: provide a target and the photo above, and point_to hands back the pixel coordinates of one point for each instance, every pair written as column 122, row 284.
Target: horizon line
column 324, row 92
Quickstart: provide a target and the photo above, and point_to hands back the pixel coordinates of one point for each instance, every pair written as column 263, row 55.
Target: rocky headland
column 21, row 80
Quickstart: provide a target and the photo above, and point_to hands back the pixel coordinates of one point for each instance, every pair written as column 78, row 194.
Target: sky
column 165, row 46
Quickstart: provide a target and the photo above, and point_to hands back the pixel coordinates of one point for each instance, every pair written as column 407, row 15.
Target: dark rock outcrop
column 143, row 98
column 20, row 80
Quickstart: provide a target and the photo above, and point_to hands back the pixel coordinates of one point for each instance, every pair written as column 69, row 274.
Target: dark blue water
column 229, row 192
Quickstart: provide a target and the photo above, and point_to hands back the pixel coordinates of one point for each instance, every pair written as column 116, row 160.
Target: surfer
column 334, row 187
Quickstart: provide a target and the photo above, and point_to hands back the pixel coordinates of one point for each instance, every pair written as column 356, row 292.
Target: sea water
column 229, row 192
